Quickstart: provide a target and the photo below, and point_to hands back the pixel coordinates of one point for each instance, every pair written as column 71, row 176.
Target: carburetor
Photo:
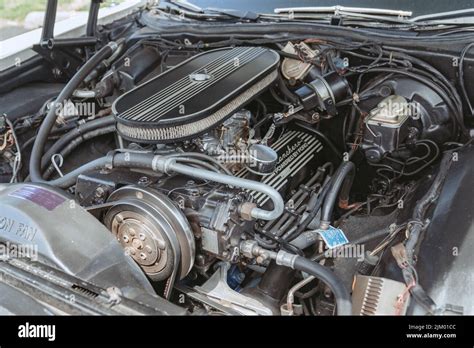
column 231, row 136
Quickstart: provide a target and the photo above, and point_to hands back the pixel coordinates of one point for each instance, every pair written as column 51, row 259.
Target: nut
column 245, row 210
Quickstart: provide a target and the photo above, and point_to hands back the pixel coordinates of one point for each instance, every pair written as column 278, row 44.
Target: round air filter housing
column 196, row 95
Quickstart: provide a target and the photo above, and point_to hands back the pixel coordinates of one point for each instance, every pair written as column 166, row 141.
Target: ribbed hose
column 341, row 293
column 50, row 119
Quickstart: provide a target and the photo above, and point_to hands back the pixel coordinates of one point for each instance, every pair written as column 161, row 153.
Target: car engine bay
column 246, row 174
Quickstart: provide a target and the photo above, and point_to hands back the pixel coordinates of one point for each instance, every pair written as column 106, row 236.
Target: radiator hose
column 341, row 293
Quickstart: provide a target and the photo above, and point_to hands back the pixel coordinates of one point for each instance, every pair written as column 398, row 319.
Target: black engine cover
column 196, row 95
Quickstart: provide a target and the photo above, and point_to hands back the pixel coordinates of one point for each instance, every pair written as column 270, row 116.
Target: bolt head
column 137, row 244
column 118, row 218
column 143, row 180
column 99, row 192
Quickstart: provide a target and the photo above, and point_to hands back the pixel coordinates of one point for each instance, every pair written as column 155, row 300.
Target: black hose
column 341, row 293
column 117, row 160
column 50, row 119
column 289, row 55
column 198, row 163
column 350, row 126
column 262, row 105
column 314, row 204
column 75, row 143
column 78, row 132
column 313, row 207
column 333, row 147
column 341, row 182
column 55, row 134
column 278, row 98
column 292, row 97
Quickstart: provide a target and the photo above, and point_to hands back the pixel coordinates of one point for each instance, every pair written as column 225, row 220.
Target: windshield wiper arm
column 186, row 5
column 248, row 15
column 446, row 15
column 199, row 12
column 338, row 9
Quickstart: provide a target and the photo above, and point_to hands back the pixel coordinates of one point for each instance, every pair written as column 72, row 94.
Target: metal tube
column 291, row 294
column 84, row 93
column 169, row 165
